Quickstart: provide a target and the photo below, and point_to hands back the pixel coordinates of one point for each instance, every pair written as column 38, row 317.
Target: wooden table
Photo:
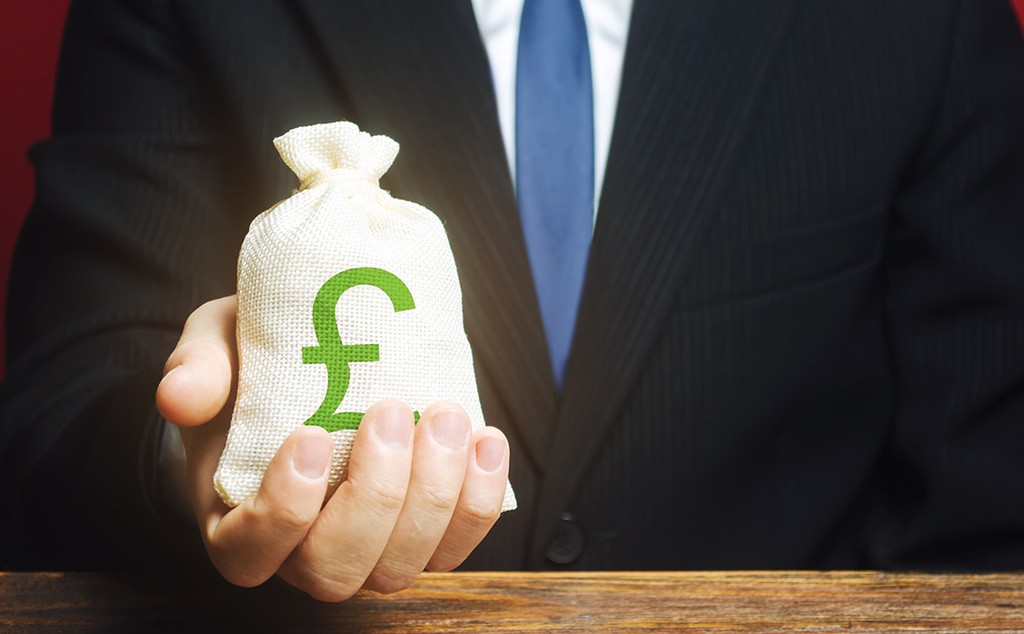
column 655, row 601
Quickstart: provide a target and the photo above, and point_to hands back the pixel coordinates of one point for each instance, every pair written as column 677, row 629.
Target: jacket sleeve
column 953, row 475
column 129, row 231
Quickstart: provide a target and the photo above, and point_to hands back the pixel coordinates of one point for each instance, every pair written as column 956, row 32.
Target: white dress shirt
column 607, row 27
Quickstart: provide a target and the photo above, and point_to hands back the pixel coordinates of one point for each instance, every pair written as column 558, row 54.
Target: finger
column 479, row 505
column 203, row 447
column 440, row 457
column 350, row 534
column 200, row 372
column 250, row 542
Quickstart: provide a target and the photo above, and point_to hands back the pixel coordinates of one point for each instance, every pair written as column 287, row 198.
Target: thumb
column 200, row 372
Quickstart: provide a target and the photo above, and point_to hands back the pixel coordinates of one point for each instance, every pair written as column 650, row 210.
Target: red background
column 29, row 41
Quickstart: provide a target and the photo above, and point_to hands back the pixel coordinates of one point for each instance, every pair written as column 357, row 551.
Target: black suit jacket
column 801, row 337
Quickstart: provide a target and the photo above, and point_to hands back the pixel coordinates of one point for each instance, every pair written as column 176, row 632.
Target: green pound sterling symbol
column 336, row 355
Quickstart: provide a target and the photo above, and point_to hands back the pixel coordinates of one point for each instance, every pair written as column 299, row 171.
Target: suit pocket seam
column 770, row 294
column 806, row 231
column 783, row 264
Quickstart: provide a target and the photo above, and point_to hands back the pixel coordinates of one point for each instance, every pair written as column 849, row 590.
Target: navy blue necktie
column 555, row 161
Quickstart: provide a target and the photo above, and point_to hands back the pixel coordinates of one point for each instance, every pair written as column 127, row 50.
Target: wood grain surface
column 571, row 602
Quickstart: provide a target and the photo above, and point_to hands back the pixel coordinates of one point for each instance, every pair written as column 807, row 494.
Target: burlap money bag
column 346, row 296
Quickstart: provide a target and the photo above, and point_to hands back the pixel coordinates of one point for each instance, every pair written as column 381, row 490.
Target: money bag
column 346, row 296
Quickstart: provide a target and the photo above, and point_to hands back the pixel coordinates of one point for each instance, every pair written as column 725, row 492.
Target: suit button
column 568, row 543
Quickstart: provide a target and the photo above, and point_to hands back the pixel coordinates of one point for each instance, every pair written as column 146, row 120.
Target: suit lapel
column 691, row 76
column 418, row 72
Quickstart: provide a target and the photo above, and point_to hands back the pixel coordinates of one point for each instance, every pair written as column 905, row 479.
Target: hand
column 417, row 497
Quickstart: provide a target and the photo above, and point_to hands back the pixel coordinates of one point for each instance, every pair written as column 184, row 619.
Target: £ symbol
column 337, row 355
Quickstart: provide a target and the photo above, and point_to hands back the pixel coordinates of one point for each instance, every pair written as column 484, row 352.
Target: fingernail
column 490, row 453
column 312, row 455
column 449, row 428
column 392, row 427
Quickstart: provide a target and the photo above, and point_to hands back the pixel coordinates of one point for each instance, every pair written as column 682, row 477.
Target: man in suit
column 800, row 337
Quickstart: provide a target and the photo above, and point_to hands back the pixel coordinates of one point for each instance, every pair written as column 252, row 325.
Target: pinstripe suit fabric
column 801, row 337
